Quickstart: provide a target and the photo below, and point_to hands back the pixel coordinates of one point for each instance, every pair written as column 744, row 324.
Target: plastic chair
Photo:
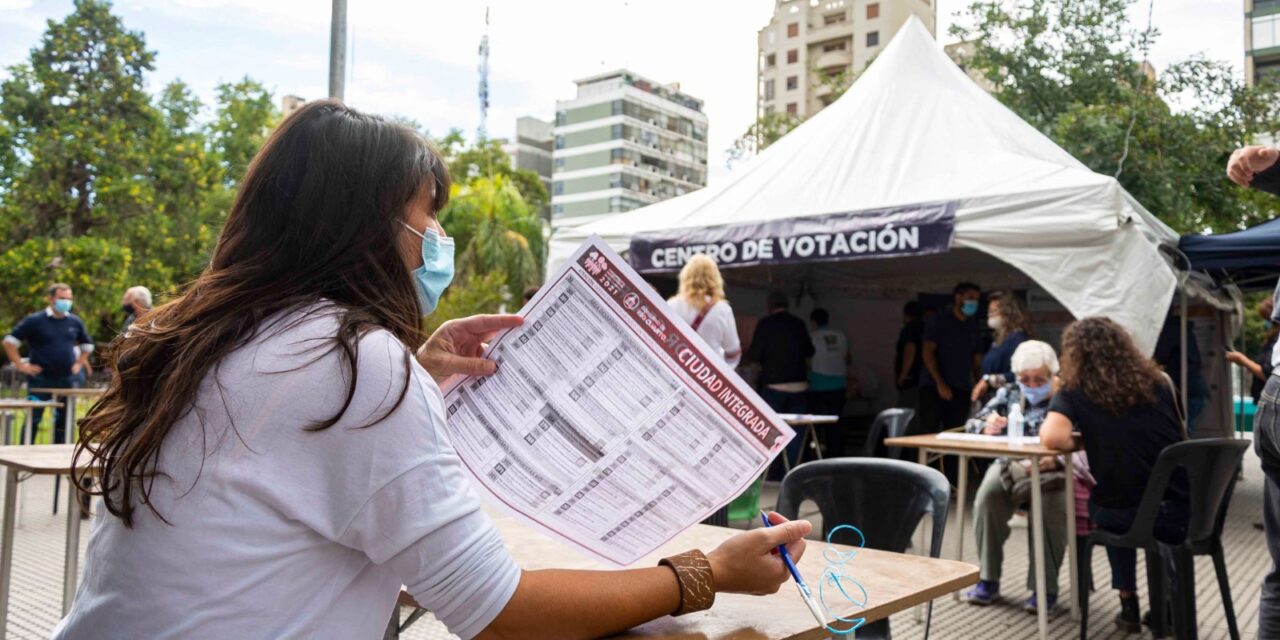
column 890, row 423
column 886, row 499
column 1210, row 465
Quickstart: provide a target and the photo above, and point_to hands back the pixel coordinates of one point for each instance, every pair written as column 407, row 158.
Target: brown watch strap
column 693, row 572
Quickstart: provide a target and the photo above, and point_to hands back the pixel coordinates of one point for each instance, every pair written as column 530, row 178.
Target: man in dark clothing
column 52, row 336
column 952, row 352
column 1256, row 167
column 906, row 356
column 780, row 345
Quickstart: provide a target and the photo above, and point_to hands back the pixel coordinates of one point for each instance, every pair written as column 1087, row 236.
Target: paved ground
column 36, row 595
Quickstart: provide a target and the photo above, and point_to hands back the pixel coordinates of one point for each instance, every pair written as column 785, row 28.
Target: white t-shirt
column 280, row 532
column 830, row 348
column 718, row 328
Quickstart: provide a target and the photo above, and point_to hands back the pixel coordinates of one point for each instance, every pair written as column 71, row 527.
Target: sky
column 419, row 58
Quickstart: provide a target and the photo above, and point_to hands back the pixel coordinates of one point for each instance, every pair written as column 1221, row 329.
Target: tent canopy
column 915, row 129
column 1249, row 259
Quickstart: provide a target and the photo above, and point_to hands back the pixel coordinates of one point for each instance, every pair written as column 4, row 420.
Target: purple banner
column 856, row 235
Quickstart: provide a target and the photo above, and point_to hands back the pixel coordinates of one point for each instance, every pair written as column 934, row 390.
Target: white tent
column 915, row 129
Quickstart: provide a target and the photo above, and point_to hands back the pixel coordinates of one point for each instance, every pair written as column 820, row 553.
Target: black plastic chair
column 885, row 499
column 890, row 423
column 1210, row 465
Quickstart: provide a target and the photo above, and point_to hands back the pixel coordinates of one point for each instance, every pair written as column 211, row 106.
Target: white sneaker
column 1018, row 521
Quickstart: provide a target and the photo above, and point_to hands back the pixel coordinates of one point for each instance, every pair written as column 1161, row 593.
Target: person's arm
column 86, row 348
column 988, row 419
column 557, row 603
column 929, row 356
column 1239, row 359
column 908, row 357
column 457, row 346
column 756, row 351
column 11, row 344
column 729, row 341
column 1255, row 166
column 1055, row 433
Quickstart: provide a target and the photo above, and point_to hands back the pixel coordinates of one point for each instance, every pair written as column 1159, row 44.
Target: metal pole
column 1186, row 409
column 338, row 50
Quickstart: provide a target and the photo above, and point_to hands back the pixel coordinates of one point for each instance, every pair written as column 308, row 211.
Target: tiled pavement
column 36, row 595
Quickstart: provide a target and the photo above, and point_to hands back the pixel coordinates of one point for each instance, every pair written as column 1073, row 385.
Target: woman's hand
column 978, row 390
column 749, row 562
column 457, row 347
column 995, row 424
column 1249, row 160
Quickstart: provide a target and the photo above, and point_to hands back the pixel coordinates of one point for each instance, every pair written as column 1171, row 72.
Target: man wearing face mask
column 951, row 352
column 136, row 301
column 52, row 337
column 1006, row 485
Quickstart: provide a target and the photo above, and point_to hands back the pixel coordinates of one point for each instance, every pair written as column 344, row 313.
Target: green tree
column 245, row 116
column 81, row 115
column 495, row 230
column 766, row 130
column 473, row 294
column 1075, row 70
column 103, row 185
column 487, row 159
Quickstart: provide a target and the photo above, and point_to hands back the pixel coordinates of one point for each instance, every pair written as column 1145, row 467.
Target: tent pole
column 1183, row 370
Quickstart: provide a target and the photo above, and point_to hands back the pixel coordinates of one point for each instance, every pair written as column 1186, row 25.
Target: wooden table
column 41, row 459
column 894, row 581
column 72, row 395
column 1002, row 448
column 14, row 405
column 807, row 421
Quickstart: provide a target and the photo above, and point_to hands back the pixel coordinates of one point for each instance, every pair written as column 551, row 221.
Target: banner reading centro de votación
column 854, row 235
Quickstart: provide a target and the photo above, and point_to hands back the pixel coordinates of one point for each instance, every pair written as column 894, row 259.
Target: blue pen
column 805, row 594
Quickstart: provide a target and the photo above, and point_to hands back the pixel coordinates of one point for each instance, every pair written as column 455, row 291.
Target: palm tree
column 496, row 230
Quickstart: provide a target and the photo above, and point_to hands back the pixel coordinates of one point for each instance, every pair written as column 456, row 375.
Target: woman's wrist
column 695, row 574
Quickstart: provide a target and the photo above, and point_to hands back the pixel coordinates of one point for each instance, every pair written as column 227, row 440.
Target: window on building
column 793, row 56
column 559, row 142
column 559, row 187
column 793, row 83
column 873, row 11
column 771, row 37
column 873, row 38
column 1265, row 32
column 793, row 29
column 615, row 132
column 559, row 162
column 617, row 107
column 768, row 110
column 843, row 45
column 768, row 89
column 835, row 18
column 771, row 60
column 791, row 108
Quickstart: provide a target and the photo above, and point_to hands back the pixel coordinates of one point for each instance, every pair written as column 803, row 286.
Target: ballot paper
column 610, row 424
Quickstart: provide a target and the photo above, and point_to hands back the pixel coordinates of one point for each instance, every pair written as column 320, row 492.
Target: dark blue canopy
column 1249, row 258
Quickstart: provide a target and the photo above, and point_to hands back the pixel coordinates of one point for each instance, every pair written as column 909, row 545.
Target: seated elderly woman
column 1006, row 486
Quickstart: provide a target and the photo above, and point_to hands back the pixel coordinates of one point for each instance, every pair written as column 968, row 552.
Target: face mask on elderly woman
column 1036, row 395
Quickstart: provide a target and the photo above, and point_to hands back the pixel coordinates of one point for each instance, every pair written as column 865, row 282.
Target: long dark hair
column 1101, row 360
column 317, row 218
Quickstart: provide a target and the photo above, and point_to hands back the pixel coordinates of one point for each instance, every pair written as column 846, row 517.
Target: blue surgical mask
column 436, row 272
column 1036, row 395
column 969, row 308
column 62, row 306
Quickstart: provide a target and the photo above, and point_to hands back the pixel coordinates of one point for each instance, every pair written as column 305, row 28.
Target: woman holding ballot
column 272, row 452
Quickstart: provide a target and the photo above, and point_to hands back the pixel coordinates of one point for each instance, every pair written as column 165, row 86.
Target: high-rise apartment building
column 1261, row 41
column 808, row 41
column 531, row 149
column 622, row 143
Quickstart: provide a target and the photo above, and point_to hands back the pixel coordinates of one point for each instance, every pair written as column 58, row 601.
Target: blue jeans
column 1266, row 443
column 1171, row 526
column 59, row 413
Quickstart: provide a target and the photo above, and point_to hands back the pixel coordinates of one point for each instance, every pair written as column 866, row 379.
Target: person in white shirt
column 700, row 302
column 273, row 456
column 828, row 377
